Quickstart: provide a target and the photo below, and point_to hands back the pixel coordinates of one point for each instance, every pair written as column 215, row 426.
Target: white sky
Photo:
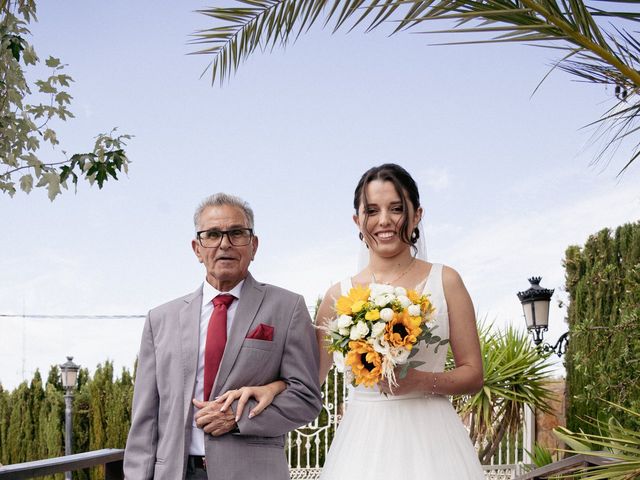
column 505, row 178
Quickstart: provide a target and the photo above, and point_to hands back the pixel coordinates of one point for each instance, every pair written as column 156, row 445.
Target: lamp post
column 535, row 304
column 69, row 374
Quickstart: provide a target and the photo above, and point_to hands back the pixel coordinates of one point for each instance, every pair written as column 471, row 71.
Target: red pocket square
column 262, row 332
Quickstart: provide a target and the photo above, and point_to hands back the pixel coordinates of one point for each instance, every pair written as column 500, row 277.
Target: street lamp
column 535, row 304
column 69, row 375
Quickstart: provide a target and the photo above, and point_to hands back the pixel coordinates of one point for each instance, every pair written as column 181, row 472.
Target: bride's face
column 380, row 219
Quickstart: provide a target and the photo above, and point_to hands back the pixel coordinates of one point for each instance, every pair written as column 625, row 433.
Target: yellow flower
column 365, row 363
column 403, row 330
column 372, row 314
column 357, row 306
column 426, row 306
column 345, row 304
column 413, row 296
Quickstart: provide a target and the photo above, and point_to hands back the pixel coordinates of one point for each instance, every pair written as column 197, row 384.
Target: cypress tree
column 603, row 282
column 19, row 434
column 4, row 425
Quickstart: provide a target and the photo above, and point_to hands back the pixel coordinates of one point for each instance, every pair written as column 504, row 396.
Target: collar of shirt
column 209, row 292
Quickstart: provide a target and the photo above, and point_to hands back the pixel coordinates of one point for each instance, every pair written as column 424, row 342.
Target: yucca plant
column 515, row 375
column 540, row 456
column 613, row 441
column 588, row 50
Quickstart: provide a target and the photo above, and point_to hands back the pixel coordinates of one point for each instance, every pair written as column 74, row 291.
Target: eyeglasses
column 238, row 237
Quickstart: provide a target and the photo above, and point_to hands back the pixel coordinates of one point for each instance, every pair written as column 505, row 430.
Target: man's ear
column 254, row 245
column 196, row 249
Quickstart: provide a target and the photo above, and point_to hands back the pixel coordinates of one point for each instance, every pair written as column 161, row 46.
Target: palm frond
column 595, row 54
column 615, row 442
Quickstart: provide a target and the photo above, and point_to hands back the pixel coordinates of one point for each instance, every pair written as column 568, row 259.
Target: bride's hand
column 413, row 382
column 263, row 394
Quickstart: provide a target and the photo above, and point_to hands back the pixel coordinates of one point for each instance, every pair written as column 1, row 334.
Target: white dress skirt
column 409, row 436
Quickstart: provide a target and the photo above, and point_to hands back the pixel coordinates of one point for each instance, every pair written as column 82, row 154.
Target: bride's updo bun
column 405, row 186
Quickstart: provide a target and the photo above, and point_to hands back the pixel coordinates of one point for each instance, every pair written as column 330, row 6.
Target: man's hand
column 212, row 420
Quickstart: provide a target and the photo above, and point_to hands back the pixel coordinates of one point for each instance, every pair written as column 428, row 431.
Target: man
column 186, row 362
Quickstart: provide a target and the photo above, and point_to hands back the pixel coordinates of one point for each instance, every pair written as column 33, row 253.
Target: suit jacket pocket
column 276, row 442
column 259, row 344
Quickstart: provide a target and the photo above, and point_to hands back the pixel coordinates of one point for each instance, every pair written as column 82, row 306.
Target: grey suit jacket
column 157, row 446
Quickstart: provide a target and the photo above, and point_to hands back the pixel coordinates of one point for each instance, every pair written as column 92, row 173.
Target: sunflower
column 354, row 301
column 365, row 363
column 403, row 330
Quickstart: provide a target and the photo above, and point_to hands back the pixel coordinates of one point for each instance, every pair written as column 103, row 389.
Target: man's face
column 226, row 264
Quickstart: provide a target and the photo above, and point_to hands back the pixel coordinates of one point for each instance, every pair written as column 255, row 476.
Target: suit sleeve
column 140, row 452
column 301, row 401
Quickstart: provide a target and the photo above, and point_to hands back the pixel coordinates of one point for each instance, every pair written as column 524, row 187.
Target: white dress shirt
column 208, row 294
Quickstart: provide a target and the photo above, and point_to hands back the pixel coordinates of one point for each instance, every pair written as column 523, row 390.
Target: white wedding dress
column 410, row 436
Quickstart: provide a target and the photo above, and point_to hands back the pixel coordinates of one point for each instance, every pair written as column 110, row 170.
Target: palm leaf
column 597, row 55
column 619, row 443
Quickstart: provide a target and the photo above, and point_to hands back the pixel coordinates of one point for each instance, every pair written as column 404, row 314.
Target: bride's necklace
column 402, row 274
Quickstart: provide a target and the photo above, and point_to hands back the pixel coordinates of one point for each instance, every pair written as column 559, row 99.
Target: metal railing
column 306, row 447
column 111, row 458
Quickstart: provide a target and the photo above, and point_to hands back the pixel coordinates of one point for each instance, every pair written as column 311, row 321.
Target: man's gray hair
column 220, row 199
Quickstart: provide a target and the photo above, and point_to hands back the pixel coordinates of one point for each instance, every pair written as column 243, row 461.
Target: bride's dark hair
column 405, row 187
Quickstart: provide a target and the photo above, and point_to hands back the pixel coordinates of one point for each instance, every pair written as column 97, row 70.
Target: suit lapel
column 189, row 320
column 251, row 297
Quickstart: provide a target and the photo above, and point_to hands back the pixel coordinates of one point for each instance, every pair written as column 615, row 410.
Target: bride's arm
column 467, row 376
column 326, row 312
column 264, row 394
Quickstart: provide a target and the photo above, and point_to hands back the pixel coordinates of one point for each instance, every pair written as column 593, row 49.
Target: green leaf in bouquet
column 441, row 343
column 404, row 369
column 413, row 353
column 335, row 335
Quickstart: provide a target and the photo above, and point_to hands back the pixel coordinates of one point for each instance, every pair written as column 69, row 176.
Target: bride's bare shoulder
column 451, row 281
column 334, row 291
column 326, row 308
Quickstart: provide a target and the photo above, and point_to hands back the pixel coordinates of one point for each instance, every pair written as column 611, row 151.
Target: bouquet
column 377, row 328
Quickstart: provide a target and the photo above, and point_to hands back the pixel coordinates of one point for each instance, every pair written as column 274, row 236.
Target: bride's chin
column 389, row 251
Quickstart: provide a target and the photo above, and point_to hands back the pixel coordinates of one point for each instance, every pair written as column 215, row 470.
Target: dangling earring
column 415, row 235
column 361, row 237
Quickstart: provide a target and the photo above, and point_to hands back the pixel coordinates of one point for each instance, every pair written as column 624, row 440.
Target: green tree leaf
column 26, row 183
column 52, row 62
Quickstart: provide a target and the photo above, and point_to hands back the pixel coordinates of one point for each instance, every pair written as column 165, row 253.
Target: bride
column 412, row 430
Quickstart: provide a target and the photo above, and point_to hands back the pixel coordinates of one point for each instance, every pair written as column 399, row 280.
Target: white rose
column 344, row 331
column 380, row 345
column 404, row 301
column 400, row 355
column 414, row 310
column 345, row 321
column 386, row 314
column 400, row 291
column 378, row 289
column 384, row 299
column 378, row 329
column 358, row 331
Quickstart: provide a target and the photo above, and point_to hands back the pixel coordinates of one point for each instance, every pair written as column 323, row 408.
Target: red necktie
column 216, row 340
